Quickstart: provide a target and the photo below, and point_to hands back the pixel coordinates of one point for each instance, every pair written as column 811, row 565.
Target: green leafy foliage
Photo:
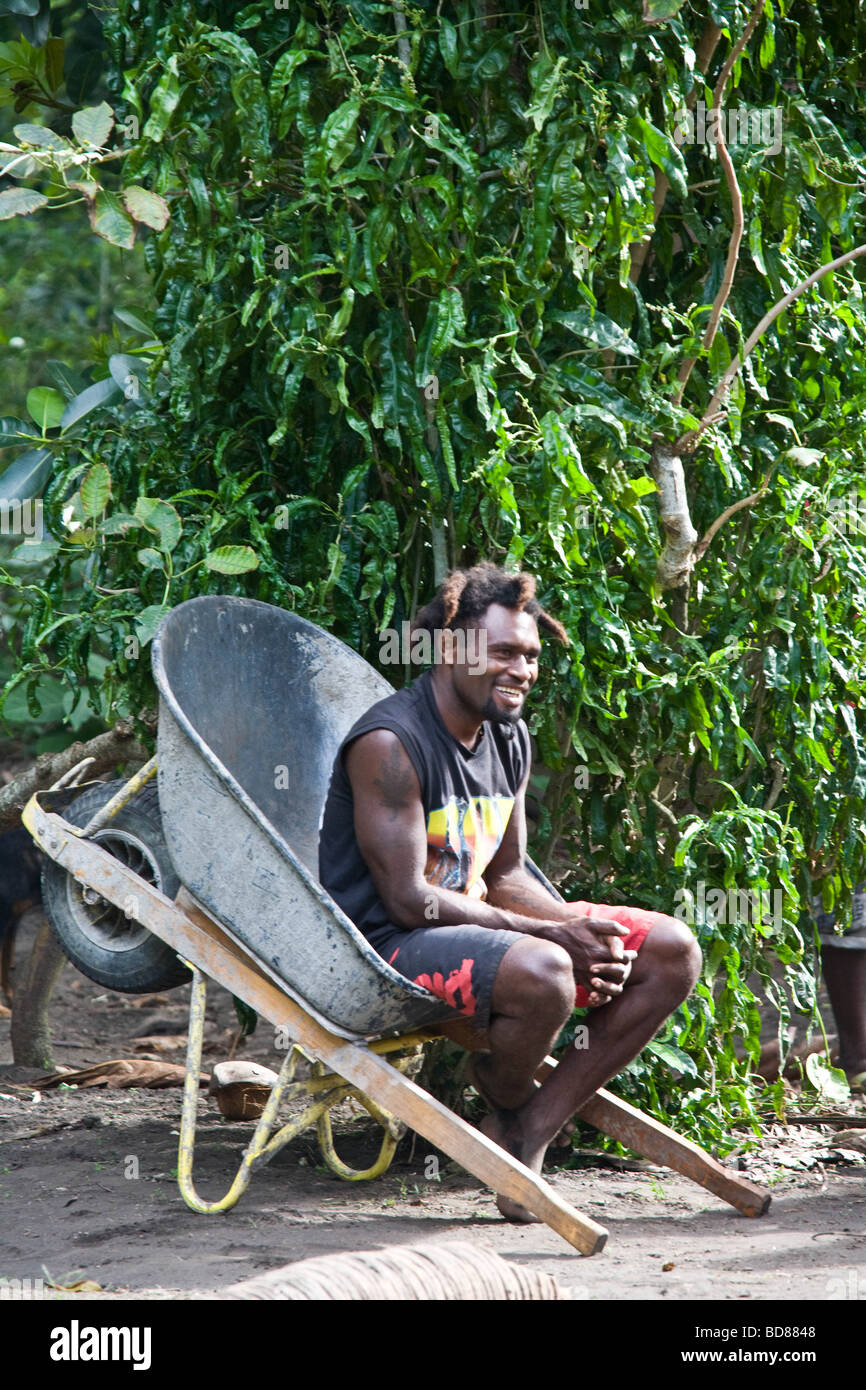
column 18, row 202
column 657, row 11
column 93, row 125
column 95, row 490
column 231, row 559
column 829, row 1082
column 45, row 406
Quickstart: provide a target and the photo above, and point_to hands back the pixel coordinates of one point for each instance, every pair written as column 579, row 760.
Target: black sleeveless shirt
column 467, row 795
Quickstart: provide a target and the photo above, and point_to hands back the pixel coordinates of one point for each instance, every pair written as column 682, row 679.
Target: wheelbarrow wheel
column 105, row 942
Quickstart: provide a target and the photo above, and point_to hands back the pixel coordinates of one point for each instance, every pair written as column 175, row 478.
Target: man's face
column 494, row 684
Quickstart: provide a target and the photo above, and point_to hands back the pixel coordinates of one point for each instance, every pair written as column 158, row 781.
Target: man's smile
column 511, row 694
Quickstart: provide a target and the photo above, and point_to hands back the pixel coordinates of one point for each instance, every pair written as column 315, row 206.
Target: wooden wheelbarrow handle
column 656, row 1142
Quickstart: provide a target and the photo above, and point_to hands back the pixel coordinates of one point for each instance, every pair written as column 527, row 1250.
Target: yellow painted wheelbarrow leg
column 263, row 1145
column 386, row 1152
column 394, row 1131
column 120, row 799
column 329, row 1088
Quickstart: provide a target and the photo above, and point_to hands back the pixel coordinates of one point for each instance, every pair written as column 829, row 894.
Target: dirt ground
column 88, row 1188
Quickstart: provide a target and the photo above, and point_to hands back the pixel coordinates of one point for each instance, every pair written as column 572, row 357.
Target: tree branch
column 777, row 784
column 403, row 47
column 665, row 811
column 727, row 164
column 117, row 745
column 735, row 52
column 706, row 48
column 704, row 542
column 687, row 443
column 733, row 256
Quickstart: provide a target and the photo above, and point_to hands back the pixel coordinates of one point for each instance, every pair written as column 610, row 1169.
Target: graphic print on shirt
column 462, row 838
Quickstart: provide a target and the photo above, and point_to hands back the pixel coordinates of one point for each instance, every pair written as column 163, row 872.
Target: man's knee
column 671, row 947
column 535, row 975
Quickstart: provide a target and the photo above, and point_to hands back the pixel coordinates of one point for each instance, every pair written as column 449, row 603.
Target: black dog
column 20, row 866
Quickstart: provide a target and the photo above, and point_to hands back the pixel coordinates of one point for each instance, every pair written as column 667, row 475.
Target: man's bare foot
column 501, row 1127
column 475, row 1077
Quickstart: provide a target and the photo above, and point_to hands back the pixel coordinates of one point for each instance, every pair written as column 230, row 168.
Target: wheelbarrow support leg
column 264, row 1143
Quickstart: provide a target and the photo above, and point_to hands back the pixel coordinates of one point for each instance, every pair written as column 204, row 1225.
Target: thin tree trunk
column 677, row 557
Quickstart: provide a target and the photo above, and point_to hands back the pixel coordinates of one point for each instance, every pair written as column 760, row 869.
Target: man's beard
column 502, row 716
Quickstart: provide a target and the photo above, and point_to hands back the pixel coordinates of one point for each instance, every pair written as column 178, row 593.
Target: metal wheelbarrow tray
column 253, row 705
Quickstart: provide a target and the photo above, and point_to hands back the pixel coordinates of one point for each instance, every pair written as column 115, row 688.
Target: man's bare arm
column 391, row 831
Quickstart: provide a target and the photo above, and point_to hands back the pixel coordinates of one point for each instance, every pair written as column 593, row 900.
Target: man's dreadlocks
column 465, row 595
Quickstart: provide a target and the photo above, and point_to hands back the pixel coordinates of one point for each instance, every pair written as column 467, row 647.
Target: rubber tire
column 148, row 965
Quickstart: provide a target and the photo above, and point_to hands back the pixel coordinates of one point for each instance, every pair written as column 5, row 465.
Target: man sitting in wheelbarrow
column 423, row 843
